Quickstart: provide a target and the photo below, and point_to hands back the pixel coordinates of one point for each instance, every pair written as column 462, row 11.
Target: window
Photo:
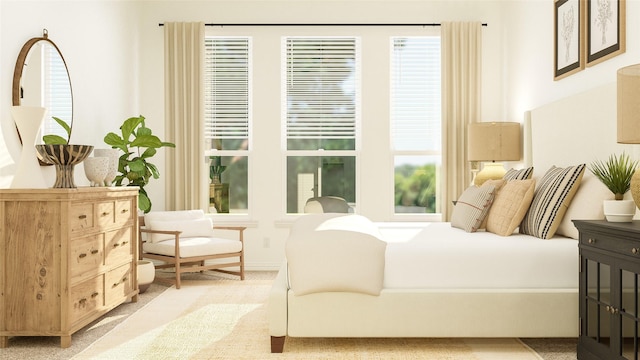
column 416, row 122
column 57, row 92
column 321, row 112
column 227, row 121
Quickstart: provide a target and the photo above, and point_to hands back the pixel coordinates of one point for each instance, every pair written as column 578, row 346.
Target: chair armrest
column 168, row 232
column 240, row 230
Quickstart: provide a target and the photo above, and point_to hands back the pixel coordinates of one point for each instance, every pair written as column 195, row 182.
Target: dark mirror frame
column 20, row 64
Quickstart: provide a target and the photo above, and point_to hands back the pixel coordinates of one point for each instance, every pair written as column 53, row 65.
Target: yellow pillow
column 510, row 206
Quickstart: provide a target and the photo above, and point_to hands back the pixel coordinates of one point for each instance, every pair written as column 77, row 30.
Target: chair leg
column 177, row 268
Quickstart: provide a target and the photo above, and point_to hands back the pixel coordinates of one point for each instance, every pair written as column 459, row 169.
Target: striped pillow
column 551, row 200
column 522, row 174
column 472, row 207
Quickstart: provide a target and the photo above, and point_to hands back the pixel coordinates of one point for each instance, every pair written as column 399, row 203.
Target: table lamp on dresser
column 629, row 116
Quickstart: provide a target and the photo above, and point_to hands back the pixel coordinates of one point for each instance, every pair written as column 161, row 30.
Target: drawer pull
column 82, row 301
column 94, row 252
column 124, row 243
column 105, row 213
column 116, row 245
column 94, row 294
column 82, row 255
column 120, row 282
column 635, row 251
column 123, row 211
column 591, row 241
column 82, row 217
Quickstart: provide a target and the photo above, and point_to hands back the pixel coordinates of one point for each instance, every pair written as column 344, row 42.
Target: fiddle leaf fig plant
column 615, row 173
column 57, row 139
column 138, row 145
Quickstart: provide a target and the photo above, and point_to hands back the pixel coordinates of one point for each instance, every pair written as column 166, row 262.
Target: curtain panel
column 461, row 86
column 184, row 114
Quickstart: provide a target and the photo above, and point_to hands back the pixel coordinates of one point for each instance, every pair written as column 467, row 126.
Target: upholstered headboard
column 578, row 129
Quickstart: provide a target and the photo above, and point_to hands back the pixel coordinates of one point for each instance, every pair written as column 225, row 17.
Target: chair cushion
column 194, row 246
column 173, row 215
column 190, row 228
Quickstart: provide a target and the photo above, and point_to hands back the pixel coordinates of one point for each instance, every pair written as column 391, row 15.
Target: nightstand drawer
column 618, row 245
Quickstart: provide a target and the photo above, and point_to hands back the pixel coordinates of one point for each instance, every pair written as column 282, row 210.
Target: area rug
column 228, row 320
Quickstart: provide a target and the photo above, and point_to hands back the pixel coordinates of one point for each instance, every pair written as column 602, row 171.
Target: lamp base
column 493, row 171
column 635, row 187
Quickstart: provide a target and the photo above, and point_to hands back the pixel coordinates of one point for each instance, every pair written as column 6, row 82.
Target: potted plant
column 616, row 174
column 138, row 144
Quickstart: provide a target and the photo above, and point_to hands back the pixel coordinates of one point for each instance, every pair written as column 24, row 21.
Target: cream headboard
column 578, row 129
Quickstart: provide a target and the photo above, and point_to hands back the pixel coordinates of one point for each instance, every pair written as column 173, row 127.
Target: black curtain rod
column 323, row 24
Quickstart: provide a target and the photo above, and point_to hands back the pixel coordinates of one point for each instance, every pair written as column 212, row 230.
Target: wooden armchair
column 185, row 240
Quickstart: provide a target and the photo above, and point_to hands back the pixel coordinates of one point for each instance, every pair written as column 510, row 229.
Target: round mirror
column 41, row 78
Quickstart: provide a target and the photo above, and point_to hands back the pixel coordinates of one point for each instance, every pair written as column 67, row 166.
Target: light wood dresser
column 67, row 257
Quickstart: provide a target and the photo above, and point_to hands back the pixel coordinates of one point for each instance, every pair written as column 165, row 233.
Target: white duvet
column 440, row 257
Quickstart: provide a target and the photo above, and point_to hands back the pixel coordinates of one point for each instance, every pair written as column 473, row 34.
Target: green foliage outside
column 416, row 187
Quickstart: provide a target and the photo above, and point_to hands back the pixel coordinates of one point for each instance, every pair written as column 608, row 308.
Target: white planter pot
column 619, row 210
column 146, row 274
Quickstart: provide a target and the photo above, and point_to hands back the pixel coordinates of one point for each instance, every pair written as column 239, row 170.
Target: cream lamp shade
column 491, row 142
column 629, row 116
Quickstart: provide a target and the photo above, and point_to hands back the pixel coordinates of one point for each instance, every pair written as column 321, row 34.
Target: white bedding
column 440, row 257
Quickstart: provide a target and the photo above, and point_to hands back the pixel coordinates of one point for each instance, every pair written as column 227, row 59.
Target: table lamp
column 490, row 142
column 629, row 116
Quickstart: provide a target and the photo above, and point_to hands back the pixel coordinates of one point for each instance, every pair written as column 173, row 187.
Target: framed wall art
column 568, row 37
column 606, row 29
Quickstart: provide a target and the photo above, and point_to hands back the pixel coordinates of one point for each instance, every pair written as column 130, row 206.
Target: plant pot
column 146, row 274
column 619, row 210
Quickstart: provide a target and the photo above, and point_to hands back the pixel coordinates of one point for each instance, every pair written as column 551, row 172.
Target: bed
column 346, row 276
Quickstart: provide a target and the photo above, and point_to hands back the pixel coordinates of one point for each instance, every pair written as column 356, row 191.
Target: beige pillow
column 472, row 207
column 509, row 206
column 551, row 199
column 498, row 183
column 586, row 205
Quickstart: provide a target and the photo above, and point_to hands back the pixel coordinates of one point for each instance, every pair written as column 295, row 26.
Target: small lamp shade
column 492, row 141
column 629, row 105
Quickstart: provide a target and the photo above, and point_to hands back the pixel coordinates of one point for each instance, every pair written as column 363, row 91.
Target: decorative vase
column 619, row 210
column 96, row 169
column 146, row 274
column 114, row 157
column 28, row 174
column 65, row 158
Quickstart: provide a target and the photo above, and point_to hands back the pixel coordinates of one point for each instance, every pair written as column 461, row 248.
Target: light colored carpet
column 121, row 327
column 226, row 319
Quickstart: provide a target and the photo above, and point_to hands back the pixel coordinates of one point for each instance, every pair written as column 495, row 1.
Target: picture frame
column 606, row 29
column 569, row 18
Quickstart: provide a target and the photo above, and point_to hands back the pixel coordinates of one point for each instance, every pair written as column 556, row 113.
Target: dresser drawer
column 118, row 246
column 616, row 244
column 118, row 284
column 81, row 216
column 125, row 211
column 86, row 256
column 85, row 298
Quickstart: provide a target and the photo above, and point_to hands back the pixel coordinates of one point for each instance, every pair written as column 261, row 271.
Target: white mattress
column 440, row 257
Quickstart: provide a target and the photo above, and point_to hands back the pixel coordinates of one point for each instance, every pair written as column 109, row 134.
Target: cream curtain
column 461, row 86
column 184, row 114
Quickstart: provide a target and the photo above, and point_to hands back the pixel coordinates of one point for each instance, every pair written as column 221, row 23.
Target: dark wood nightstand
column 609, row 289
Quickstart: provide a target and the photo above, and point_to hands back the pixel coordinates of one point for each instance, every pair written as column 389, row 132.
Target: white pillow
column 472, row 207
column 190, row 228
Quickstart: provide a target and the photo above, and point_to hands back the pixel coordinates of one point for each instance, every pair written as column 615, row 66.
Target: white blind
column 415, row 93
column 57, row 92
column 226, row 88
column 321, row 81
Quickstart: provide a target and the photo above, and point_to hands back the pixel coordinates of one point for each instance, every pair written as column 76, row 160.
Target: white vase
column 96, row 169
column 114, row 156
column 28, row 174
column 619, row 210
column 146, row 274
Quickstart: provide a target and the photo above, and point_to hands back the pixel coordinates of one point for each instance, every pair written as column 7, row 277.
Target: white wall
column 528, row 49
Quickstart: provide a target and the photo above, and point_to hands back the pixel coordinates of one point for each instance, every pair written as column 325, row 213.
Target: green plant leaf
column 129, row 126
column 615, row 173
column 54, row 140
